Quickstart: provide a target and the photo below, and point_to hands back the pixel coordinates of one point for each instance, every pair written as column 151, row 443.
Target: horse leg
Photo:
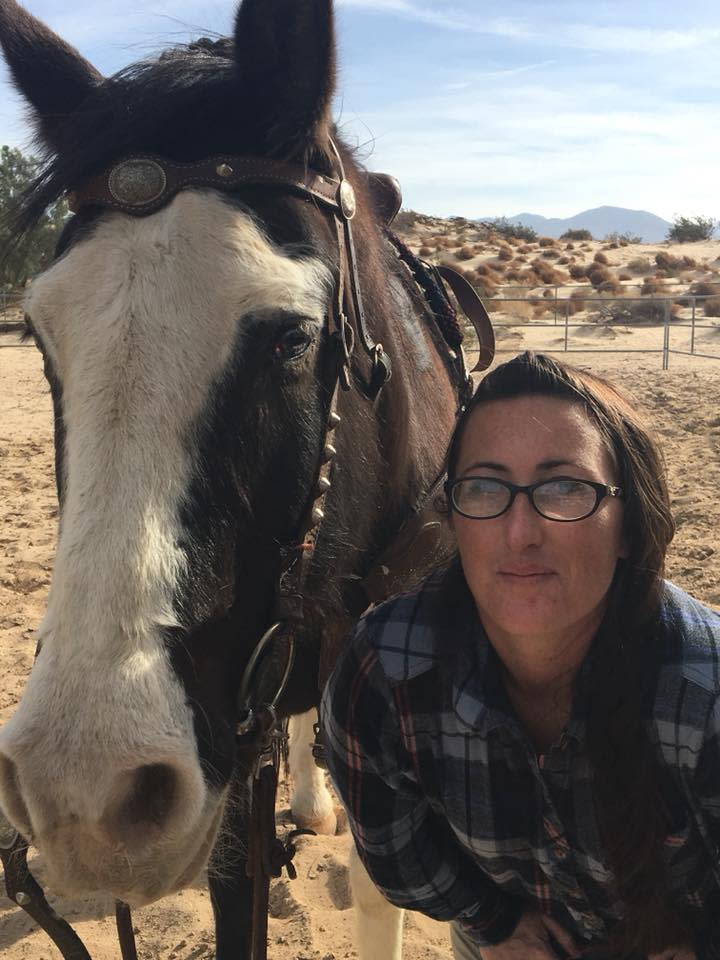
column 312, row 805
column 379, row 924
column 231, row 890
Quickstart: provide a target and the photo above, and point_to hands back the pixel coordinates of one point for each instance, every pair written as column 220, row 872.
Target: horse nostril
column 153, row 794
column 147, row 803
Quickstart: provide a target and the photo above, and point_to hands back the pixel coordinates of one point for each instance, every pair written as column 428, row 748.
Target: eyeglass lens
column 483, row 498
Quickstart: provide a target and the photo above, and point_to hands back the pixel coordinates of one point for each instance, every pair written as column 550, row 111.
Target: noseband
column 142, row 185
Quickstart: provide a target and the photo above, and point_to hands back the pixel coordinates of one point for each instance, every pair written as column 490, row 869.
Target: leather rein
column 141, row 185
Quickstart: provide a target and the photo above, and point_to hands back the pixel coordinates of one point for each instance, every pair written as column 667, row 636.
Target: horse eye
column 291, row 345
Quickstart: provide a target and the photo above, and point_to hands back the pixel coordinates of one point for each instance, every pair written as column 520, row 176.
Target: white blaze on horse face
column 140, row 320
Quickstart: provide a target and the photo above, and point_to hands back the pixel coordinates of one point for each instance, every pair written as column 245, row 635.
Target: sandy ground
column 312, row 917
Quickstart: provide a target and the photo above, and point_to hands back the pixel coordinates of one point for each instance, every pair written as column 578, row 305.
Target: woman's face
column 529, row 575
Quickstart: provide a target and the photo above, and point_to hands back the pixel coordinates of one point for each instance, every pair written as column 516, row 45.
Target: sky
column 484, row 107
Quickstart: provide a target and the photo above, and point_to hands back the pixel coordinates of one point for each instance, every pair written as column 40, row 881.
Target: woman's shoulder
column 689, row 678
column 692, row 633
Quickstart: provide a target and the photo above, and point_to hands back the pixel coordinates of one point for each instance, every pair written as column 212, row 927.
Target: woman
column 527, row 744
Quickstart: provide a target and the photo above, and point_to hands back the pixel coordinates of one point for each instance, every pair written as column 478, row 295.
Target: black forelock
column 185, row 104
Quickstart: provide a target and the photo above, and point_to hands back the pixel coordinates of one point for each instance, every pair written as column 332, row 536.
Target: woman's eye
column 291, row 345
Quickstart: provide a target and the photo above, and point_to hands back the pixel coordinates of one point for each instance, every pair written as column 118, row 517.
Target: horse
column 218, row 330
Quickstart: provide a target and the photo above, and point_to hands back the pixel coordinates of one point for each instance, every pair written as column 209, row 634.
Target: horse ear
column 285, row 51
column 49, row 73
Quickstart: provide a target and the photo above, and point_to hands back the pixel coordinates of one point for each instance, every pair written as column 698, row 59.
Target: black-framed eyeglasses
column 563, row 499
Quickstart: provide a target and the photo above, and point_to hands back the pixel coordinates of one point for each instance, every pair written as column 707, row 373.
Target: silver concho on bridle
column 137, row 181
column 348, row 202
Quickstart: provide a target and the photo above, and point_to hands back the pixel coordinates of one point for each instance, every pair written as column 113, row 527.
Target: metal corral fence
column 563, row 308
column 10, row 303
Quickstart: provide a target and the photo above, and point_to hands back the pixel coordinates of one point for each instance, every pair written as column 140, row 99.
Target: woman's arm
column 408, row 849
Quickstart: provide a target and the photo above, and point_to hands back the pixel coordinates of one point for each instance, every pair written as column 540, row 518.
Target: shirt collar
column 479, row 698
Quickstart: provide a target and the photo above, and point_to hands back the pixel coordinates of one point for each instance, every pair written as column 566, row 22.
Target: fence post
column 567, row 317
column 692, row 328
column 666, row 337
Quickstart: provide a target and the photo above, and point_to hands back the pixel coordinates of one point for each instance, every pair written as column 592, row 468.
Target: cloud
column 550, row 149
column 448, row 18
column 580, row 36
column 636, row 39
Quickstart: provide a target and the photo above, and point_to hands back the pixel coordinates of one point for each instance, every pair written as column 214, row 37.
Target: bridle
column 141, row 185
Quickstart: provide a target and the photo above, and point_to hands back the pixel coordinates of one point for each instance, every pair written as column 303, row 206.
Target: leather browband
column 140, row 185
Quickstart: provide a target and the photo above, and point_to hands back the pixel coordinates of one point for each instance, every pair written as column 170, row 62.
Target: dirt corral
column 311, row 917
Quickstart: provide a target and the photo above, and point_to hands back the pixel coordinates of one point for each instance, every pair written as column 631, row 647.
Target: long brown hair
column 631, row 815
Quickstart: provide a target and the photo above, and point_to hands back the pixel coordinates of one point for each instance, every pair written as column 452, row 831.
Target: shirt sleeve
column 407, row 848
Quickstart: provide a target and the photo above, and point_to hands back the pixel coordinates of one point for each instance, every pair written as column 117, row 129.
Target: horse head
column 189, row 361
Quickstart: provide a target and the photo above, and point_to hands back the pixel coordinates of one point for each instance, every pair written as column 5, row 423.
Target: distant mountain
column 600, row 222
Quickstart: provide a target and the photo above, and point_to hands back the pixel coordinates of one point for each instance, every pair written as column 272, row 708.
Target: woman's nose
column 523, row 524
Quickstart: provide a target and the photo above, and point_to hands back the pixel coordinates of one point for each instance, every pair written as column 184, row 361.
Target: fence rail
column 561, row 308
column 10, row 301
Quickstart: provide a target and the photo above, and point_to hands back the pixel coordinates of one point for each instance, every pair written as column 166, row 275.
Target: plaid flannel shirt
column 455, row 815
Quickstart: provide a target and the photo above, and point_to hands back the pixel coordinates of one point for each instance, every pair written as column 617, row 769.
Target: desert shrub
column 638, row 311
column 505, row 253
column 625, row 276
column 691, row 229
column 702, row 288
column 613, row 245
column 611, row 286
column 578, row 271
column 406, row 219
column 640, row 265
column 547, row 272
column 711, row 307
column 550, row 254
column 689, row 262
column 601, row 258
column 576, row 235
column 576, row 303
column 564, row 261
column 623, row 239
column 651, row 286
column 485, row 270
column 514, row 276
column 507, row 229
column 524, row 248
column 484, row 289
column 425, row 252
column 547, row 242
column 666, row 261
column 598, row 274
column 466, row 253
column 569, row 246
